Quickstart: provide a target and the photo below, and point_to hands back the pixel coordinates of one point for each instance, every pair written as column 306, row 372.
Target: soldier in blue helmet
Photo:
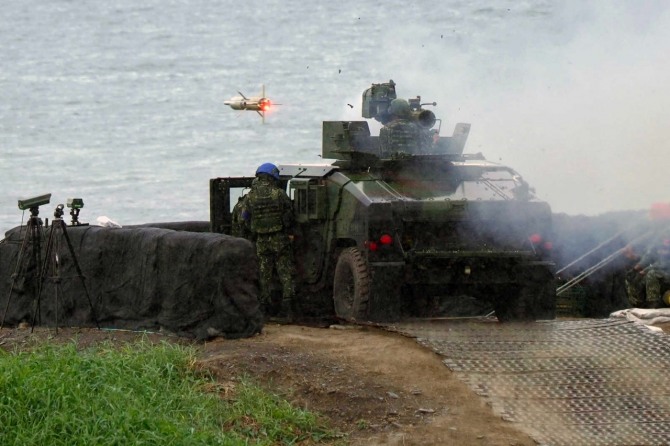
column 268, row 213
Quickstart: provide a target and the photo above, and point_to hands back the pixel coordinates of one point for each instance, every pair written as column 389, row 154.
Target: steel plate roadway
column 581, row 382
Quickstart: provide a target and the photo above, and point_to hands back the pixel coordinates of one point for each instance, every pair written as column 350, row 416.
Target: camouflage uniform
column 400, row 136
column 238, row 226
column 633, row 280
column 656, row 262
column 635, row 287
column 269, row 215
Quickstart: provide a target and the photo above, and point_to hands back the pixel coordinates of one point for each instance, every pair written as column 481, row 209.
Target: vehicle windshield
column 459, row 182
column 491, row 184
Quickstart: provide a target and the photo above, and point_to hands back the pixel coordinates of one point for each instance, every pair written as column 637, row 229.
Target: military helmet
column 268, row 169
column 399, row 107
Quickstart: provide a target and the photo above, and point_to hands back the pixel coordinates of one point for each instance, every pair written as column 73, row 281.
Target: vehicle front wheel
column 351, row 285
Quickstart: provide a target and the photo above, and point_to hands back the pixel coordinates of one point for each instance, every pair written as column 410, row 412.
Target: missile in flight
column 259, row 104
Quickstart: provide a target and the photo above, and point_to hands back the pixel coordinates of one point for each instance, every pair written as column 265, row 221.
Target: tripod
column 52, row 261
column 34, row 235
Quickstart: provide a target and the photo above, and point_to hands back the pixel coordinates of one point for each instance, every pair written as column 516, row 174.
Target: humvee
column 380, row 239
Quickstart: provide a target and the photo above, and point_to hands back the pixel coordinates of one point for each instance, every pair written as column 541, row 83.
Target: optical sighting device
column 75, row 203
column 34, row 202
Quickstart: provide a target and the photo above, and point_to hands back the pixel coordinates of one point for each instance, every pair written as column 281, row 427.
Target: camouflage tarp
column 195, row 284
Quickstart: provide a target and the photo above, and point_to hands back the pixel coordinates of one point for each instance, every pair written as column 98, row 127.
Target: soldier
column 238, row 226
column 269, row 216
column 655, row 267
column 633, row 280
column 400, row 135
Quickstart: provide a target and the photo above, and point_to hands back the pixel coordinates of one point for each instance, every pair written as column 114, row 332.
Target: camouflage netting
column 578, row 237
column 195, row 284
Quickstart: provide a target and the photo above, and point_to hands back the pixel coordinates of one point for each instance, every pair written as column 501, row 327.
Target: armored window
column 309, row 199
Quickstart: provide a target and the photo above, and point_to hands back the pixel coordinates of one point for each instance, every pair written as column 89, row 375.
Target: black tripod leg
column 81, row 276
column 43, row 274
column 19, row 263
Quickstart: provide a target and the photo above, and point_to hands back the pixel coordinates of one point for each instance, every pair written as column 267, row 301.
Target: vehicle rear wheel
column 351, row 285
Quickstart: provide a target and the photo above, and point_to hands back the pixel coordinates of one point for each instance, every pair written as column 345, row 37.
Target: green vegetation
column 140, row 394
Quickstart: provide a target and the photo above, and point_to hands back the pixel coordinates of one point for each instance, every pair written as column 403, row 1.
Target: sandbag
column 646, row 316
column 195, row 284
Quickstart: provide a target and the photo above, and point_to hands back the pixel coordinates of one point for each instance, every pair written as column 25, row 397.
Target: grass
column 139, row 394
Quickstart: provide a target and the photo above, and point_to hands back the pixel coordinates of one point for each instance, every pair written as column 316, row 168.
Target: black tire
column 351, row 285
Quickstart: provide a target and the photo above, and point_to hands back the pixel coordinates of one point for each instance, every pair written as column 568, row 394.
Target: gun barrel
column 425, row 118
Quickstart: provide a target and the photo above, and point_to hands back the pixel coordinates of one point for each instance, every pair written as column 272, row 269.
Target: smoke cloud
column 573, row 97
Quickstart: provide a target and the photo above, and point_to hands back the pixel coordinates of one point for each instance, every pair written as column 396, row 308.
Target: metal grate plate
column 585, row 382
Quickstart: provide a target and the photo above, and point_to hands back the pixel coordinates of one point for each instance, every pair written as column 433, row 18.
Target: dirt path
column 377, row 387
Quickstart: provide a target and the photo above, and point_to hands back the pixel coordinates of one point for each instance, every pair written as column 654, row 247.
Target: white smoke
column 575, row 99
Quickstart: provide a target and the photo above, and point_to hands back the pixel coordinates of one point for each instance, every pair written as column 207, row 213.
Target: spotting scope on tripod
column 50, row 267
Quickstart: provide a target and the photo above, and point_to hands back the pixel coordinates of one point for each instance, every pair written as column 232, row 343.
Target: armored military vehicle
column 380, row 238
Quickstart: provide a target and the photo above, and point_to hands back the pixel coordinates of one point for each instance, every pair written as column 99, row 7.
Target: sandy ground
column 375, row 387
